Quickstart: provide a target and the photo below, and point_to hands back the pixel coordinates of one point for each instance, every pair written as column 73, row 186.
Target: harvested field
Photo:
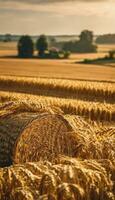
column 56, row 68
column 106, row 47
column 42, row 120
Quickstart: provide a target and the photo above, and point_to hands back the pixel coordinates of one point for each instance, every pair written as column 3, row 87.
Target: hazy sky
column 56, row 16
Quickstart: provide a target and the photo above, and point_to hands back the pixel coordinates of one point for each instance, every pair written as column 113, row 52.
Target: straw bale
column 44, row 139
column 10, row 127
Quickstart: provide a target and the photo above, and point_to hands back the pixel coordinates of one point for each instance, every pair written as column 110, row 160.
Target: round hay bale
column 43, row 139
column 10, row 127
column 14, row 117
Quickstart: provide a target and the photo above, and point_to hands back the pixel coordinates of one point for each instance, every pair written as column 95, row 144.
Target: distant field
column 13, row 45
column 106, row 47
column 55, row 68
column 8, row 45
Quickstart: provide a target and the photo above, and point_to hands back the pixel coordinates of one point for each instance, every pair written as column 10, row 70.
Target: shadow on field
column 99, row 62
column 8, row 56
column 16, row 57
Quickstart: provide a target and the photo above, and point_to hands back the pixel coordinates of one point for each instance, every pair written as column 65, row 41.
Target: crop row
column 94, row 91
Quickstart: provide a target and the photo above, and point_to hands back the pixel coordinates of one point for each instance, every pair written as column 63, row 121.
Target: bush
column 66, row 54
column 55, row 53
column 111, row 54
column 86, row 61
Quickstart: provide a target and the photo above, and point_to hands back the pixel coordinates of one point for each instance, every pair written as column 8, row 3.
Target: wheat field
column 57, row 130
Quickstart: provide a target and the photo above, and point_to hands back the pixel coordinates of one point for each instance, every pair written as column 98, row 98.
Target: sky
column 56, row 17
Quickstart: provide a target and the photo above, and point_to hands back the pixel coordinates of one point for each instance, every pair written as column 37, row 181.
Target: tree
column 86, row 37
column 83, row 45
column 25, row 47
column 42, row 45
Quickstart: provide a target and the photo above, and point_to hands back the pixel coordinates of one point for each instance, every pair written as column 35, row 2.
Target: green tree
column 42, row 45
column 83, row 45
column 25, row 47
column 86, row 37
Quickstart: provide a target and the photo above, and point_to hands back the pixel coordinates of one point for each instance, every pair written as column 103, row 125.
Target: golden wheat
column 11, row 107
column 69, row 179
column 92, row 110
column 92, row 142
column 58, row 87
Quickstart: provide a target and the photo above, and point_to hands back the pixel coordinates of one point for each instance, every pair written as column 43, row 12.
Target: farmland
column 57, row 127
column 68, row 69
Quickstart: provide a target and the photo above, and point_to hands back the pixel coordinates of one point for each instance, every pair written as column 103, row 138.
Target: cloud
column 60, row 8
column 26, row 4
column 53, row 1
column 56, row 16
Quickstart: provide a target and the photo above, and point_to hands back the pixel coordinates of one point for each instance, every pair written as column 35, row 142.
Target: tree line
column 26, row 46
column 106, row 39
column 83, row 45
